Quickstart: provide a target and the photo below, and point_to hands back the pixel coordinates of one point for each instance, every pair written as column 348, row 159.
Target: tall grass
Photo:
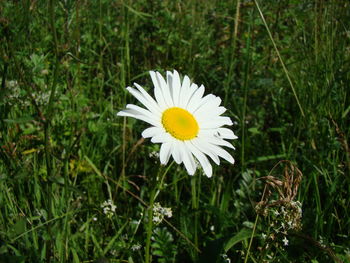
column 282, row 69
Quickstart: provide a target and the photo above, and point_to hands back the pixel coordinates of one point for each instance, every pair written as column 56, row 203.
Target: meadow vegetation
column 75, row 179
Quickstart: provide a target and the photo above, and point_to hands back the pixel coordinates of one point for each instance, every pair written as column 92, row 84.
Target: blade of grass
column 280, row 58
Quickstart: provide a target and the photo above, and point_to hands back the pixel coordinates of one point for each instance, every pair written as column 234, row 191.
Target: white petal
column 187, row 159
column 175, row 151
column 137, row 115
column 157, row 91
column 151, row 132
column 215, row 123
column 186, row 92
column 204, row 115
column 165, row 152
column 210, row 138
column 176, row 87
column 154, row 107
column 203, row 101
column 161, row 138
column 208, row 104
column 165, row 90
column 226, row 133
column 142, row 111
column 144, row 100
column 221, row 152
column 195, row 100
column 203, row 160
column 203, row 147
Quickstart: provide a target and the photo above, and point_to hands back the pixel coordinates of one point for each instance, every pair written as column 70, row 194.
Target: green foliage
column 64, row 152
column 163, row 247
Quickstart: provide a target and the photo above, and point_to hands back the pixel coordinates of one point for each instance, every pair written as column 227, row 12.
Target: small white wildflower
column 276, row 212
column 108, row 208
column 154, row 154
column 44, row 72
column 157, row 220
column 226, row 258
column 284, row 212
column 212, row 228
column 160, row 212
column 167, row 212
column 263, row 235
column 135, row 247
column 285, row 241
column 94, row 218
column 12, row 83
column 322, row 241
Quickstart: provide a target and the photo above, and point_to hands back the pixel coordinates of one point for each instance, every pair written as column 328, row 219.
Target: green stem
column 254, row 227
column 245, row 89
column 149, row 226
column 251, row 238
column 47, row 122
column 195, row 185
column 280, row 58
column 154, row 193
column 232, row 62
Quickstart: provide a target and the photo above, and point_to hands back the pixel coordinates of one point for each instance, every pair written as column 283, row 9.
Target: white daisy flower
column 188, row 125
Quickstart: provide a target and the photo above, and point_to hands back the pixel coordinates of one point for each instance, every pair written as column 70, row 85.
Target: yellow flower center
column 180, row 123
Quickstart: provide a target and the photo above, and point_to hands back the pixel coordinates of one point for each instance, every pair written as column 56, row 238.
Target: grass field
column 76, row 180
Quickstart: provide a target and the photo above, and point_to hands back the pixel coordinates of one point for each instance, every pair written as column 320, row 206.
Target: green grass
column 284, row 79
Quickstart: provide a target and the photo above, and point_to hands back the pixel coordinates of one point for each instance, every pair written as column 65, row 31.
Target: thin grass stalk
column 254, row 228
column 245, row 88
column 234, row 43
column 280, row 58
column 154, row 192
column 47, row 122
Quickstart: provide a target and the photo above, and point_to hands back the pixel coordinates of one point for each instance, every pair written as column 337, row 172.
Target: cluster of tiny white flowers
column 108, row 208
column 284, row 218
column 41, row 98
column 154, row 154
column 12, row 84
column 17, row 95
column 136, row 247
column 160, row 212
column 226, row 258
column 322, row 241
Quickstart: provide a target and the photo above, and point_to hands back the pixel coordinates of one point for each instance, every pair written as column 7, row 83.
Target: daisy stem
column 149, row 226
column 158, row 183
column 195, row 180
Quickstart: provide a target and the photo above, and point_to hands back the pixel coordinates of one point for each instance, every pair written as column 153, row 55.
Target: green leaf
column 19, row 227
column 254, row 130
column 20, row 120
column 75, row 256
column 239, row 237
